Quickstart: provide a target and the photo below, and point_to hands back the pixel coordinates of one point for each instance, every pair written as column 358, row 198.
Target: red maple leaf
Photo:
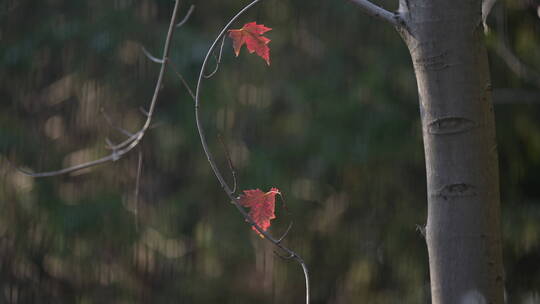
column 261, row 206
column 251, row 35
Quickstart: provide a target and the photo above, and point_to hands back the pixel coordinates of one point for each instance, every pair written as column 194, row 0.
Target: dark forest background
column 333, row 123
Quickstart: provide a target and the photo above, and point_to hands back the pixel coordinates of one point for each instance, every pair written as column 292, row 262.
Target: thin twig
column 288, row 257
column 137, row 184
column 286, row 232
column 229, row 161
column 218, row 60
column 184, row 20
column 283, row 203
column 213, row 164
column 143, row 111
column 109, row 143
column 421, row 229
column 112, row 125
column 156, row 125
column 150, row 56
column 377, row 11
column 183, row 80
column 111, row 157
column 186, row 17
column 127, row 145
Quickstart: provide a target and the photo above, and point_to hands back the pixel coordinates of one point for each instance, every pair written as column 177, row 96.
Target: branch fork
column 133, row 139
column 378, row 12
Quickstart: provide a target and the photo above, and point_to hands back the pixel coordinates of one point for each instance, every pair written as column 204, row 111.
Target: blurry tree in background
column 333, row 123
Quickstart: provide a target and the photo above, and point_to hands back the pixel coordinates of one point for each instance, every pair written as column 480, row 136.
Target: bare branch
column 284, row 257
column 218, row 60
column 149, row 56
column 137, row 185
column 143, row 111
column 186, row 17
column 286, row 233
column 109, row 143
column 112, row 125
column 229, row 161
column 112, row 157
column 377, row 11
column 121, row 149
column 283, row 203
column 183, row 80
column 155, row 125
column 421, row 229
column 213, row 164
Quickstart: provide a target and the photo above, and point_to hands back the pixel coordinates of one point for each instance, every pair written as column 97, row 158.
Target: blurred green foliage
column 333, row 122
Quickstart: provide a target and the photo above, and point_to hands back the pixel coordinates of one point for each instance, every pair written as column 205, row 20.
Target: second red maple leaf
column 251, row 34
column 261, row 206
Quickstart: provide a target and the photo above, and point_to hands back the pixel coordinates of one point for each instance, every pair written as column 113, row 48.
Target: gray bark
column 445, row 39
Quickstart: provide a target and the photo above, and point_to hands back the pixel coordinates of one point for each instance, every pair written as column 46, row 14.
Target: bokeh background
column 333, row 123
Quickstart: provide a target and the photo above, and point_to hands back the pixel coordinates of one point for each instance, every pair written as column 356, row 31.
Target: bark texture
column 445, row 39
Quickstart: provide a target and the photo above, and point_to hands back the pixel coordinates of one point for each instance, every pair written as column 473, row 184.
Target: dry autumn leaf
column 251, row 35
column 261, row 206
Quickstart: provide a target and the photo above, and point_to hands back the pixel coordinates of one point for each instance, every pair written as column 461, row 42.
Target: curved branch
column 110, row 157
column 218, row 60
column 150, row 56
column 186, row 17
column 286, row 232
column 124, row 147
column 212, row 162
column 229, row 161
column 377, row 11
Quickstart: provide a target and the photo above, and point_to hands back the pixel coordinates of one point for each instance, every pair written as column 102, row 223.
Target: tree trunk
column 445, row 39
